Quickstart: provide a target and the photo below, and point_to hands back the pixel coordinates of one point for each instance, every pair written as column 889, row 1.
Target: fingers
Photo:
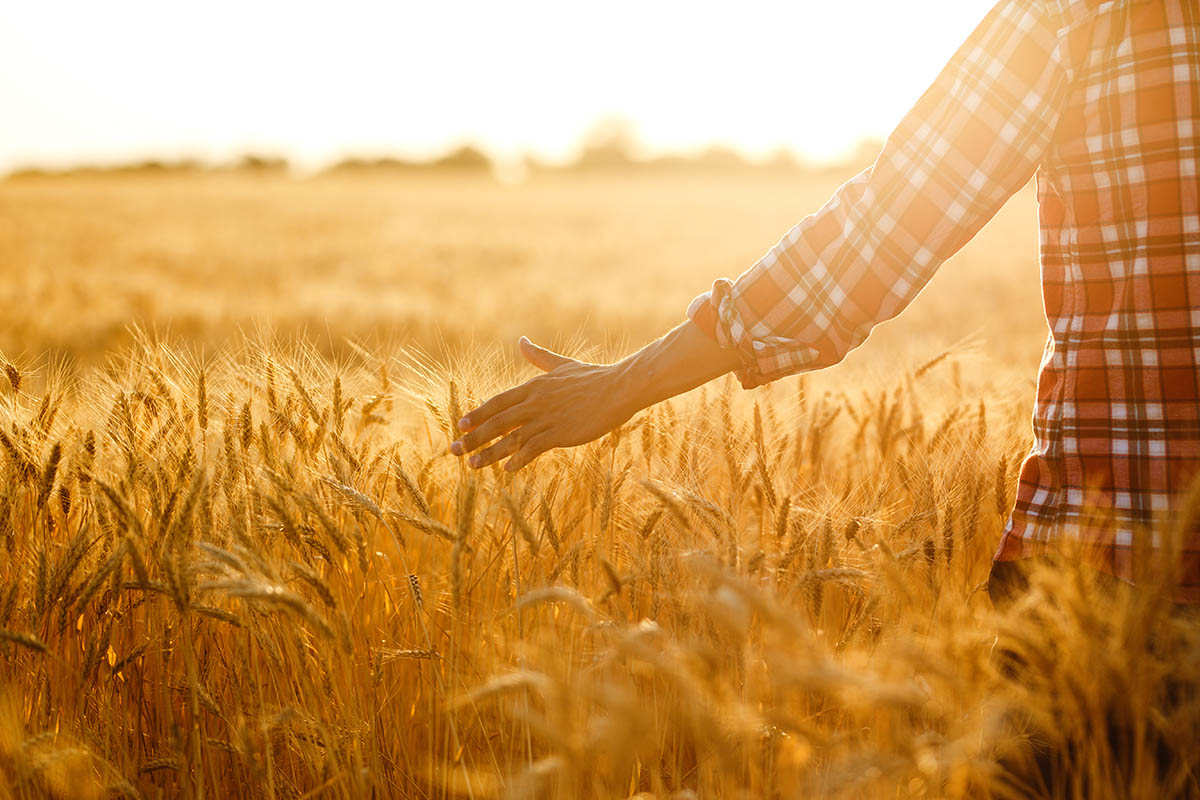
column 501, row 449
column 540, row 357
column 534, row 447
column 492, row 407
column 498, row 425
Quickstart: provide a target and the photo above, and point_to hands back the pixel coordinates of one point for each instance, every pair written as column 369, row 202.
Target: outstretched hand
column 571, row 403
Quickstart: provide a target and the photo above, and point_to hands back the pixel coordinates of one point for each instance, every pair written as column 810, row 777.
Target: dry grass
column 240, row 567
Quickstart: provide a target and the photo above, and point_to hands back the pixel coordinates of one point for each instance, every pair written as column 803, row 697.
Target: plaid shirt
column 1102, row 101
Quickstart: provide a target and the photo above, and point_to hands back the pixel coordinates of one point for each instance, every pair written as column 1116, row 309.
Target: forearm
column 575, row 402
column 679, row 361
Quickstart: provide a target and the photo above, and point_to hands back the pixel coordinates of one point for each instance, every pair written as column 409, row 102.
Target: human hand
column 573, row 403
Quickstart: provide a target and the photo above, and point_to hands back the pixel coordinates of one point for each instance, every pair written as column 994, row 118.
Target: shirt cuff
column 763, row 359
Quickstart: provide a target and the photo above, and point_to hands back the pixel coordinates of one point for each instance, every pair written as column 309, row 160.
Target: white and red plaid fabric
column 1102, row 101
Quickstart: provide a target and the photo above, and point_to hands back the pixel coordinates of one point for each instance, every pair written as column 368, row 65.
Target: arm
column 575, row 402
column 974, row 138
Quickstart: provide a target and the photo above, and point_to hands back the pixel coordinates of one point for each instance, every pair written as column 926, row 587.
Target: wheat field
column 237, row 560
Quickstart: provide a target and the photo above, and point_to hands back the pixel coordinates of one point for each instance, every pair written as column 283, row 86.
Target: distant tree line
column 249, row 163
column 611, row 145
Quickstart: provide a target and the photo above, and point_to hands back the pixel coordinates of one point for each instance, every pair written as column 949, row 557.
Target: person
column 1101, row 100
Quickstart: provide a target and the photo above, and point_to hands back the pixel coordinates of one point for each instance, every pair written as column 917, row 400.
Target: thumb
column 540, row 357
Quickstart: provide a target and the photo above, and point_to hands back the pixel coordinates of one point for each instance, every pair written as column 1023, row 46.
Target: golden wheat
column 258, row 573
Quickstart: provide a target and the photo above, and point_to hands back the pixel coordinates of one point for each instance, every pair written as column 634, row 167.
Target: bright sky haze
column 109, row 82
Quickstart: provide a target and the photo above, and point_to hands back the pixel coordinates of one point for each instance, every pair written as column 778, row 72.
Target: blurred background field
column 441, row 261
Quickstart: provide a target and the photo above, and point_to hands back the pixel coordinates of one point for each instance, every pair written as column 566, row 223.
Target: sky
column 107, row 82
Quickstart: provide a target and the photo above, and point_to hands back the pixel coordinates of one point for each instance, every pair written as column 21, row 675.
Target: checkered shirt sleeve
column 974, row 138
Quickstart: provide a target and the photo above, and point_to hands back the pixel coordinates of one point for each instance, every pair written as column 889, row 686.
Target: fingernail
column 456, row 448
column 474, row 461
column 463, row 423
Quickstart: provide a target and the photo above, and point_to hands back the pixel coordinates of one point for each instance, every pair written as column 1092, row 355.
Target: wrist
column 679, row 361
column 632, row 385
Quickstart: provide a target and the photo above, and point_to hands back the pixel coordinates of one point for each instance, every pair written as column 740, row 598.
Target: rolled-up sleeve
column 972, row 140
